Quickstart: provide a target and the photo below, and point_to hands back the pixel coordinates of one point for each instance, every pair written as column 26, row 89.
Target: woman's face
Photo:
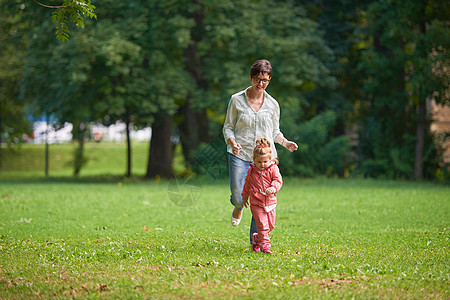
column 260, row 82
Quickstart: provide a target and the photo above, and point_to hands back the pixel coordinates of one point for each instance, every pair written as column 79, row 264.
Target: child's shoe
column 255, row 247
column 266, row 249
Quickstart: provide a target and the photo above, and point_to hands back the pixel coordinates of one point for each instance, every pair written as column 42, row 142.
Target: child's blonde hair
column 262, row 148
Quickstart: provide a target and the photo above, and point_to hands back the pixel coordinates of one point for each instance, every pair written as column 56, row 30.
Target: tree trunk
column 46, row 154
column 161, row 148
column 127, row 130
column 420, row 140
column 421, row 122
column 79, row 153
column 1, row 132
column 193, row 129
column 46, row 146
column 79, row 134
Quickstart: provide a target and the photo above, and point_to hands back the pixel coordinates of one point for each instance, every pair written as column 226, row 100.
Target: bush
column 319, row 152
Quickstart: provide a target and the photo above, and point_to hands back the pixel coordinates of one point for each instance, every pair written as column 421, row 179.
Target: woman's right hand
column 236, row 148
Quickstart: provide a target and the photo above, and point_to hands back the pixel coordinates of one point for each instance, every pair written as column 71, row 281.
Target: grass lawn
column 99, row 236
column 334, row 239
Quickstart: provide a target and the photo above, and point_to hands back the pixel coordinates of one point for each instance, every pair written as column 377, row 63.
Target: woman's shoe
column 235, row 222
column 255, row 247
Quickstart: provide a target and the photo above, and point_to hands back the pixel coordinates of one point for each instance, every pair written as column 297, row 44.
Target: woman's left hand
column 291, row 146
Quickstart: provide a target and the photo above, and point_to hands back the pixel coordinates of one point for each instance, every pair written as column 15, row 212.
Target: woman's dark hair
column 261, row 66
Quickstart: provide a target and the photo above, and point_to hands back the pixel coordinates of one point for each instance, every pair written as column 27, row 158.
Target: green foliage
column 103, row 76
column 71, row 11
column 319, row 152
column 370, row 63
column 403, row 67
column 168, row 57
column 14, row 123
column 397, row 162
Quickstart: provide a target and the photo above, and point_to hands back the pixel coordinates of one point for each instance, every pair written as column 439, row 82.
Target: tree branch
column 49, row 6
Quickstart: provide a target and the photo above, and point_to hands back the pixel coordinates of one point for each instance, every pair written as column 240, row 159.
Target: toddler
column 262, row 183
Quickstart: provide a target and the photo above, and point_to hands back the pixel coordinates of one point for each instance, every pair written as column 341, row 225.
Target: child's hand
column 245, row 202
column 270, row 190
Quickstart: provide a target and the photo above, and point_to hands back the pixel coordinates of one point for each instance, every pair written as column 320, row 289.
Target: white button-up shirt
column 246, row 125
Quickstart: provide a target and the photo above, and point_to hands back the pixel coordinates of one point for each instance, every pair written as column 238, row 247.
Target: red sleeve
column 246, row 189
column 277, row 180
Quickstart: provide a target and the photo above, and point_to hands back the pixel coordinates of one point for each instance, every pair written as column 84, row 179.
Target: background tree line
column 353, row 78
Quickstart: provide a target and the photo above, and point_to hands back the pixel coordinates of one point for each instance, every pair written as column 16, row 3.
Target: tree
column 169, row 65
column 409, row 41
column 123, row 90
column 14, row 122
column 217, row 41
column 18, row 22
column 426, row 67
column 95, row 76
column 163, row 44
column 70, row 10
column 341, row 22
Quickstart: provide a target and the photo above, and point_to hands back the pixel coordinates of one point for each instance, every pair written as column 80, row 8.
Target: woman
column 251, row 113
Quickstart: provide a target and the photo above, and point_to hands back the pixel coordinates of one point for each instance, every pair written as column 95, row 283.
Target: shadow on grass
column 73, row 179
column 95, row 179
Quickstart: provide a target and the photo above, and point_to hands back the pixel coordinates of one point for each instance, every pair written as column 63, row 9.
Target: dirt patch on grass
column 326, row 283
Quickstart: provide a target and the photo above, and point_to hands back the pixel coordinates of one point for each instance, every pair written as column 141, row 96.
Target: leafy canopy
column 70, row 11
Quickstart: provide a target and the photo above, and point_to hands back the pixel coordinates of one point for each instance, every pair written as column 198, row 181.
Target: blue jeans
column 238, row 171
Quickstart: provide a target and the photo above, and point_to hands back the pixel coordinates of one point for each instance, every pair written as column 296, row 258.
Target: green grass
column 103, row 236
column 334, row 239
